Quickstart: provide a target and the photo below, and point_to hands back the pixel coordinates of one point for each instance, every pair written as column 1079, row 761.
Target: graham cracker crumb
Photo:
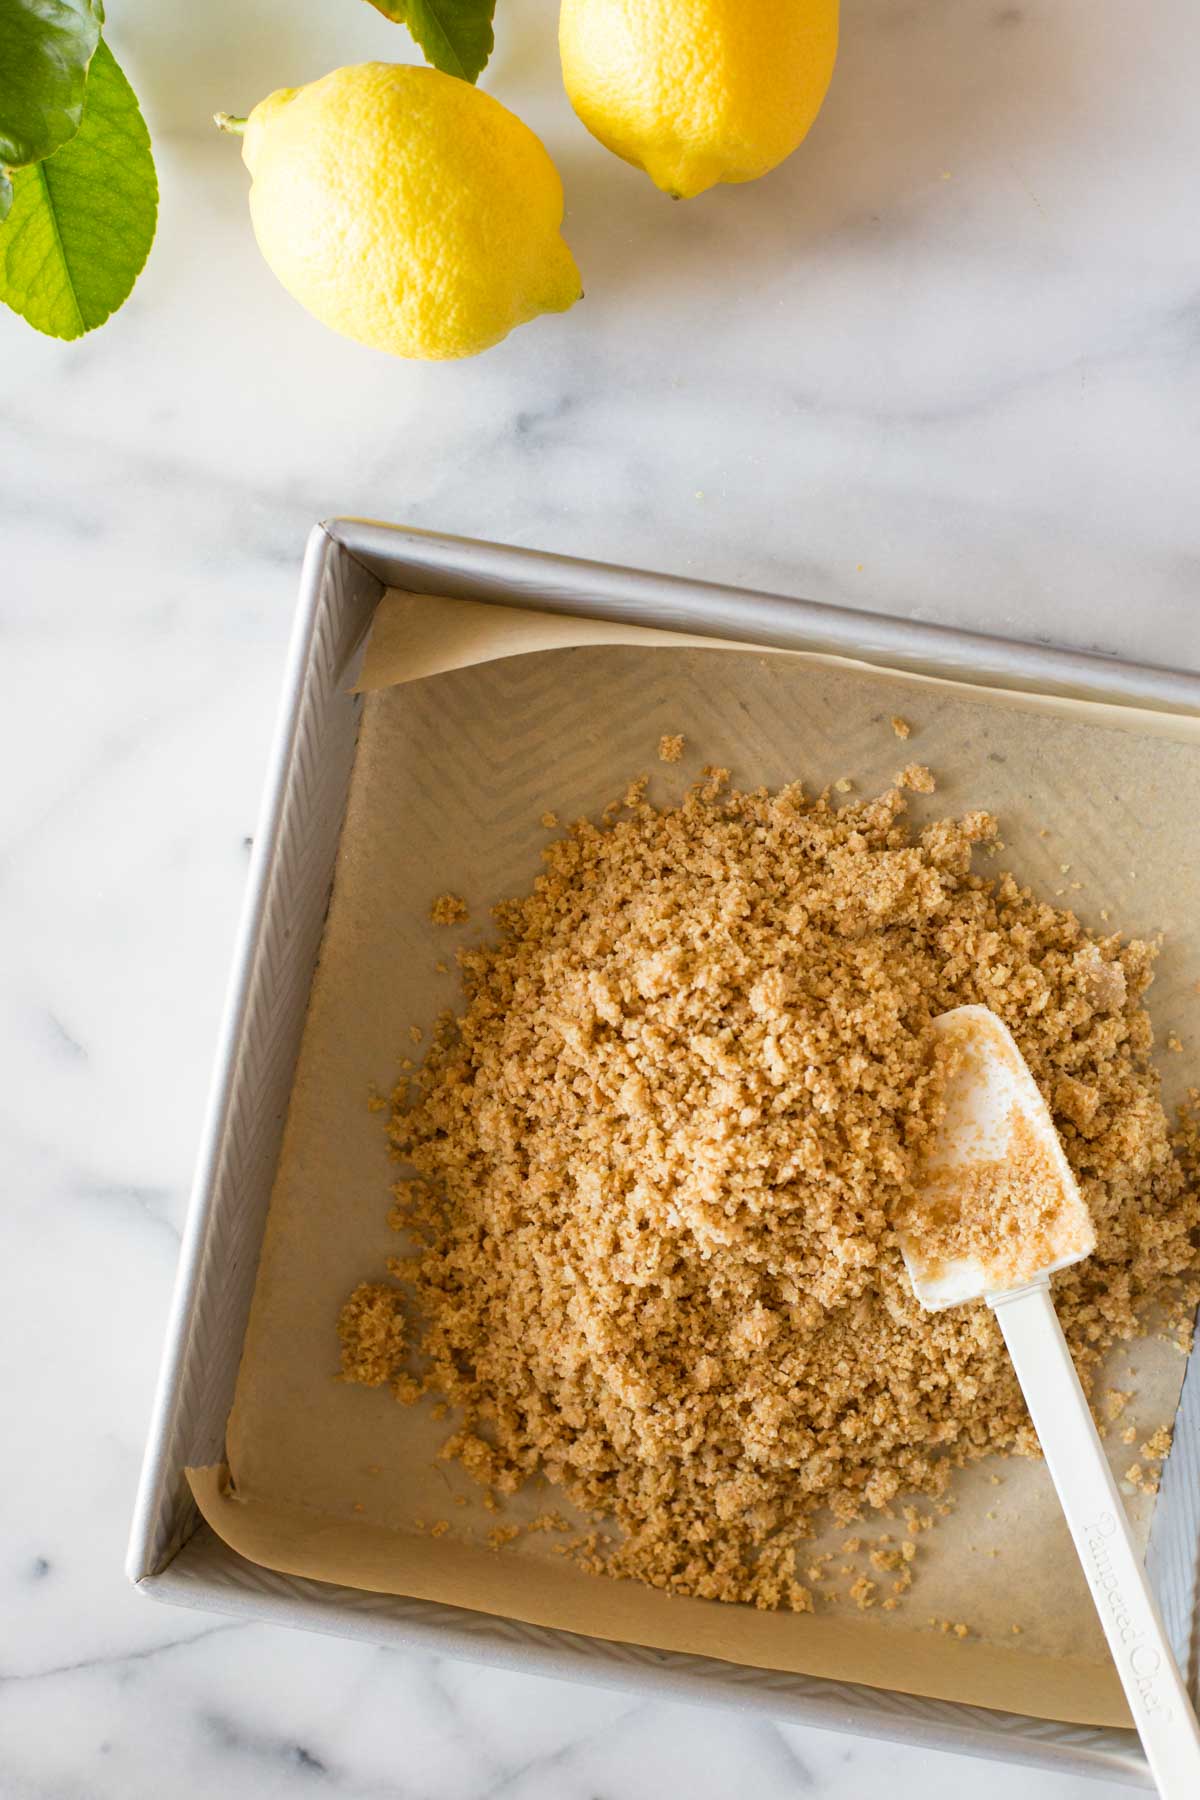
column 1115, row 1402
column 862, row 1592
column 917, row 777
column 901, row 727
column 550, row 821
column 1158, row 1444
column 1129, row 1435
column 373, row 1334
column 449, row 909
column 660, row 1155
column 500, row 1535
column 670, row 747
column 439, row 1528
column 1144, row 1480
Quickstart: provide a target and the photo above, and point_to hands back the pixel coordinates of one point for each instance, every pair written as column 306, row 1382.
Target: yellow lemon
column 698, row 91
column 408, row 210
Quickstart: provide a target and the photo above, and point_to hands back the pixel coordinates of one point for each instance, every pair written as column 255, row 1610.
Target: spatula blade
column 998, row 1205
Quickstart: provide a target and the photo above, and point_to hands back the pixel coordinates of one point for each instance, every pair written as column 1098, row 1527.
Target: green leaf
column 5, row 195
column 46, row 47
column 82, row 221
column 455, row 35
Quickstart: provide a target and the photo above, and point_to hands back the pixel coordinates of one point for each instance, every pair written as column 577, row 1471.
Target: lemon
column 698, row 91
column 408, row 210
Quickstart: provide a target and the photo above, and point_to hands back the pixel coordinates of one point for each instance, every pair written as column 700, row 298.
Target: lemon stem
column 229, row 122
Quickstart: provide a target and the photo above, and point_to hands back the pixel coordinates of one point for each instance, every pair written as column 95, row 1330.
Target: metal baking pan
column 173, row 1556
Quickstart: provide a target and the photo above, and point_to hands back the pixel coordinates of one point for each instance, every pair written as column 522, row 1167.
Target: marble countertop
column 945, row 363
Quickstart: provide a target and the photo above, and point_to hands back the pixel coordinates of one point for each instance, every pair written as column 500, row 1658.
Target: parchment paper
column 477, row 720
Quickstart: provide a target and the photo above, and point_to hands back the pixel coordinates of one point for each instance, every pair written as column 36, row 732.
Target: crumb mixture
column 670, row 747
column 661, row 1154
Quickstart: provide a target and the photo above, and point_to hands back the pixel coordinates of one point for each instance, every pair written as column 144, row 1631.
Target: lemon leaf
column 455, row 35
column 82, row 221
column 46, row 47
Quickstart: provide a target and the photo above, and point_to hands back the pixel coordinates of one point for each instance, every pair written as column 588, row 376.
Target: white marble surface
column 945, row 363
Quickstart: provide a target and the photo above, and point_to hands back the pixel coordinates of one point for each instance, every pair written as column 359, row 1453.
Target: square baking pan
column 173, row 1555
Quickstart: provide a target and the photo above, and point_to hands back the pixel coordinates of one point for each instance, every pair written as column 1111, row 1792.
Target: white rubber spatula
column 998, row 1212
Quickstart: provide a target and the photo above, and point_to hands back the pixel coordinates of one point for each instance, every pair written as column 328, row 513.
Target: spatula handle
column 1105, row 1544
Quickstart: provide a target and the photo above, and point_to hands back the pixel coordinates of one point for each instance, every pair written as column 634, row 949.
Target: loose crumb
column 449, row 909
column 373, row 1334
column 1144, row 1480
column 1129, row 1435
column 670, row 748
column 901, row 727
column 550, row 821
column 439, row 1528
column 862, row 1592
column 917, row 777
column 659, row 1155
column 1158, row 1444
column 500, row 1535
